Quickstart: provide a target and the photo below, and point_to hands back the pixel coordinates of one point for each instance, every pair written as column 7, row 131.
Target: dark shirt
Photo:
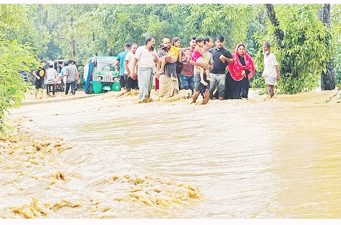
column 242, row 61
column 218, row 66
column 170, row 68
column 41, row 73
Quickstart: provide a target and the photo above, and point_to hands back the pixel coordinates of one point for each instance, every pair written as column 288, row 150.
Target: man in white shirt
column 129, row 63
column 271, row 69
column 51, row 78
column 146, row 59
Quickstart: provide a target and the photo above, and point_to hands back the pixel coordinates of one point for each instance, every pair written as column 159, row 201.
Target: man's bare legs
column 206, row 97
column 271, row 90
column 195, row 97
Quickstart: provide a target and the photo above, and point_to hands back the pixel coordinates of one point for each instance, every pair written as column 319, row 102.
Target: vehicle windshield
column 106, row 65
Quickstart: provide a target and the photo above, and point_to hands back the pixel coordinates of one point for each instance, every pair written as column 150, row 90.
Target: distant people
column 74, row 65
column 207, row 64
column 51, row 74
column 221, row 58
column 168, row 86
column 71, row 74
column 60, row 66
column 271, row 70
column 241, row 71
column 62, row 73
column 51, row 78
column 39, row 77
column 129, row 68
column 145, row 60
column 187, row 69
column 173, row 56
column 120, row 64
column 198, row 58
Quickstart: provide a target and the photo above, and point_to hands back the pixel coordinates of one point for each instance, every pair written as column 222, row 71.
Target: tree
column 327, row 76
column 279, row 34
column 300, row 43
column 336, row 46
column 13, row 58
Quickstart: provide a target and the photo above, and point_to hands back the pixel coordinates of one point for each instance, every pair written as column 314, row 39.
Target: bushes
column 13, row 58
column 306, row 47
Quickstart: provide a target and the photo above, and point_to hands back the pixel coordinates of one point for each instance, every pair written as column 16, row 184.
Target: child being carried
column 197, row 57
column 174, row 54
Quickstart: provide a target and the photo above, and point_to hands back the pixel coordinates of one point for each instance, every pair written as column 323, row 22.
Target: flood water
column 241, row 159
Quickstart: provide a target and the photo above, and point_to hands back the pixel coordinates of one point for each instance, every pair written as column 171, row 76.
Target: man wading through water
column 221, row 58
column 145, row 60
column 187, row 69
column 168, row 87
column 271, row 69
column 208, row 64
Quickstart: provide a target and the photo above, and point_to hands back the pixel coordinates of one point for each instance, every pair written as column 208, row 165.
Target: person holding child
column 168, row 86
column 173, row 56
column 207, row 64
column 198, row 58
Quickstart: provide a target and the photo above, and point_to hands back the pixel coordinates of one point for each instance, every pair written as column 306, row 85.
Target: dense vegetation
column 14, row 57
column 302, row 43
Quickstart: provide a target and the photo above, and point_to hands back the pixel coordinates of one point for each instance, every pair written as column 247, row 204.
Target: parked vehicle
column 26, row 76
column 101, row 75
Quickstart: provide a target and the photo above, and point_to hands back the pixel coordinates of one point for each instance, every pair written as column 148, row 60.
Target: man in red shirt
column 187, row 69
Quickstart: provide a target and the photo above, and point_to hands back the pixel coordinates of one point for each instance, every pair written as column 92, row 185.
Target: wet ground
column 228, row 159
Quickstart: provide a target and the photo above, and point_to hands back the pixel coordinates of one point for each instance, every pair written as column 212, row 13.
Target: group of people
column 205, row 67
column 65, row 75
column 211, row 71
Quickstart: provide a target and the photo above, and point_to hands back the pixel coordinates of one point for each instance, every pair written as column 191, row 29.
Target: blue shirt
column 121, row 57
column 63, row 71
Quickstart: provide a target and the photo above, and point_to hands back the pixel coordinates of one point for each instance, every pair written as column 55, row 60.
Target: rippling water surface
column 248, row 159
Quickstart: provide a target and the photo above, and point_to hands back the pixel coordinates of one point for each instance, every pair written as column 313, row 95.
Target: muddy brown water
column 239, row 159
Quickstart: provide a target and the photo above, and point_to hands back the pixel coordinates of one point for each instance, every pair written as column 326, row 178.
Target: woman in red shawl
column 241, row 71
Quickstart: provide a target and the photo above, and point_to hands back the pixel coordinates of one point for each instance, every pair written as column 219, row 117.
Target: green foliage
column 307, row 47
column 80, row 31
column 104, row 29
column 31, row 33
column 10, row 22
column 336, row 34
column 13, row 58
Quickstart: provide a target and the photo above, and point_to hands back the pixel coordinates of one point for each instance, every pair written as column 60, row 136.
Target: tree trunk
column 279, row 34
column 274, row 21
column 110, row 52
column 328, row 80
column 73, row 43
